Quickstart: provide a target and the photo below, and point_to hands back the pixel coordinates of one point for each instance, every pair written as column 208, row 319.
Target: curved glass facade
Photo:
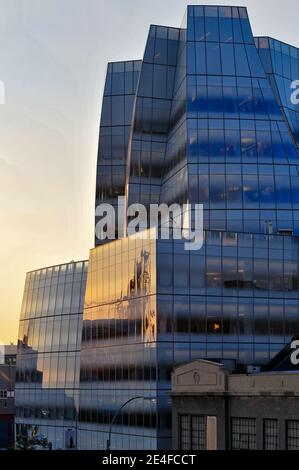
column 116, row 119
column 211, row 123
column 47, row 370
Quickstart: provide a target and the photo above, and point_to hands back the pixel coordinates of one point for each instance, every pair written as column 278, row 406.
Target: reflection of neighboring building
column 10, row 354
column 118, row 354
column 7, row 402
column 215, row 410
column 47, row 376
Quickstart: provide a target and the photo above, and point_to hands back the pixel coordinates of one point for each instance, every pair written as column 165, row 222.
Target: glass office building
column 208, row 120
column 47, row 371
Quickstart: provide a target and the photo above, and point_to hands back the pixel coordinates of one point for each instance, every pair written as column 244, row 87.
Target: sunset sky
column 53, row 56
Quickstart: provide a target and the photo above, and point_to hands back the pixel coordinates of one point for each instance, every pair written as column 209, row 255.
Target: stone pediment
column 199, row 376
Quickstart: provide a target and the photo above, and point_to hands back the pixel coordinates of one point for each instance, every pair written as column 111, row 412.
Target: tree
column 24, row 443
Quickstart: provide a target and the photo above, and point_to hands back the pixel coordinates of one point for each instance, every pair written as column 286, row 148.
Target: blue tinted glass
column 129, row 82
column 264, row 145
column 211, row 29
column 118, row 110
column 129, row 100
column 246, row 29
column 216, row 146
column 190, row 29
column 295, row 190
column 203, row 143
column 241, row 60
column 283, row 193
column 267, row 193
column 191, row 57
column 160, row 81
column 160, row 51
column 106, row 112
column 118, row 83
column 230, row 101
column 234, row 190
column 259, row 104
column 172, row 52
column 202, row 100
column 245, row 101
column 215, row 101
column 278, row 148
column 226, row 30
column 213, row 59
column 289, row 147
column 248, row 142
column 146, row 82
column 250, row 191
column 150, row 48
column 228, row 59
column 199, row 28
column 200, row 57
column 232, row 143
column 238, row 37
column 286, row 65
column 108, row 84
column 255, row 65
column 217, row 192
column 271, row 105
column 278, row 62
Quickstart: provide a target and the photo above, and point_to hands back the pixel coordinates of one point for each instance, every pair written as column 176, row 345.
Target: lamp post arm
column 116, row 415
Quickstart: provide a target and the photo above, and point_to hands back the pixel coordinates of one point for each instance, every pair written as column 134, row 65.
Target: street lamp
column 117, row 413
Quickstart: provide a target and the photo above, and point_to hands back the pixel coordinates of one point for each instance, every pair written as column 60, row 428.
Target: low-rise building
column 10, row 354
column 7, row 400
column 215, row 410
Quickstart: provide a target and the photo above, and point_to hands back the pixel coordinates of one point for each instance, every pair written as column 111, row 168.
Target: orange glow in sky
column 53, row 57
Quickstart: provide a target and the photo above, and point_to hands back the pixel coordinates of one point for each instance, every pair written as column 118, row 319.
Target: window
column 198, row 433
column 3, row 394
column 228, row 59
column 192, row 432
column 292, row 436
column 285, row 232
column 213, row 59
column 200, row 58
column 241, row 60
column 184, row 436
column 270, row 434
column 243, row 434
column 226, row 30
